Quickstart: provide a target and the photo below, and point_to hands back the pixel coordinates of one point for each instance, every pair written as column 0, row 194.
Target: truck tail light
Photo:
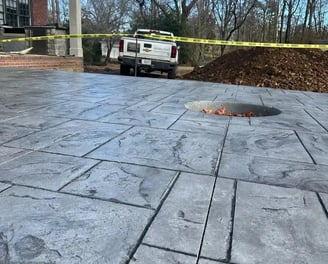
column 121, row 45
column 173, row 52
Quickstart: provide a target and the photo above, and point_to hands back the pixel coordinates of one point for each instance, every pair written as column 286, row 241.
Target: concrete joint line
column 144, row 232
column 216, row 174
column 307, row 151
column 322, row 205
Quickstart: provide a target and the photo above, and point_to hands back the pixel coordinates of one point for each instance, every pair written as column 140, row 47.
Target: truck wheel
column 172, row 74
column 124, row 69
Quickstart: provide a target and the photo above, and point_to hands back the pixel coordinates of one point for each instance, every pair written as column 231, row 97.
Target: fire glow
column 222, row 111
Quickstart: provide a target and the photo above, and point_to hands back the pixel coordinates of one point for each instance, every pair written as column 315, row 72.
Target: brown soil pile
column 296, row 69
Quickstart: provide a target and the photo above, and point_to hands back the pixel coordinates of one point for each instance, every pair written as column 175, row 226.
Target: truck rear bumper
column 156, row 65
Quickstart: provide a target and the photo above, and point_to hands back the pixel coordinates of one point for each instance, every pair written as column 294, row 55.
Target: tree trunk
column 110, row 45
column 289, row 20
column 57, row 12
column 282, row 16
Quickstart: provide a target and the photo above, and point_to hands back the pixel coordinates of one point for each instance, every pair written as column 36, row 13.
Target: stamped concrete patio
column 110, row 169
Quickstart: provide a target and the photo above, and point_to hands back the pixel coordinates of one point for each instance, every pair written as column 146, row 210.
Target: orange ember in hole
column 224, row 112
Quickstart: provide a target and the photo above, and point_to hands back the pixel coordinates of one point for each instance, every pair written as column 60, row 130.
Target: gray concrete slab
column 206, row 261
column 80, row 110
column 317, row 145
column 44, row 170
column 20, row 104
column 278, row 172
column 4, row 186
column 7, row 154
column 126, row 183
column 34, row 121
column 324, row 198
column 268, row 142
column 286, row 120
column 99, row 168
column 141, row 118
column 151, row 255
column 219, row 226
column 143, row 106
column 271, row 225
column 10, row 132
column 46, row 227
column 170, row 109
column 6, row 114
column 201, row 117
column 320, row 116
column 180, row 222
column 218, row 127
column 192, row 152
column 68, row 138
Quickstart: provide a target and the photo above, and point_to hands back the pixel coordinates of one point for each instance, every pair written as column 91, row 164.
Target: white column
column 75, row 28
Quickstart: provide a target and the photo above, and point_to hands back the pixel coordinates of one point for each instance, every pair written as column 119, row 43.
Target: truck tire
column 124, row 69
column 172, row 74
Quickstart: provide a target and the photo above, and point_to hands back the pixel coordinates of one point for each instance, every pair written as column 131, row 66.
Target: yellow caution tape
column 64, row 37
column 241, row 43
column 176, row 38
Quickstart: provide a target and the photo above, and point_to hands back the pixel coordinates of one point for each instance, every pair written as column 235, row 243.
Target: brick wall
column 39, row 12
column 42, row 62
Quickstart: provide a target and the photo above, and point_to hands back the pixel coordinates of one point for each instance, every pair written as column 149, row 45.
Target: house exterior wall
column 42, row 62
column 39, row 12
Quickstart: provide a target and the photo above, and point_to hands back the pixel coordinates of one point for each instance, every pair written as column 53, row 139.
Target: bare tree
column 230, row 15
column 308, row 19
column 319, row 18
column 202, row 25
column 292, row 7
column 181, row 8
column 109, row 16
column 54, row 12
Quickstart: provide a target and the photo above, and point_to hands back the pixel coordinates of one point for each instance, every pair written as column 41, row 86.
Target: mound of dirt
column 296, row 69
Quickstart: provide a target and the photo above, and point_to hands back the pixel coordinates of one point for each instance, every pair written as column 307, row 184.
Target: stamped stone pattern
column 68, row 138
column 272, row 226
column 141, row 118
column 7, row 154
column 46, row 227
column 10, row 132
column 285, row 173
column 143, row 106
column 192, row 152
column 151, row 255
column 81, row 110
column 286, row 120
column 320, row 116
column 219, row 225
column 324, row 198
column 49, row 171
column 19, row 104
column 199, row 126
column 206, row 261
column 109, row 169
column 31, row 120
column 118, row 182
column 273, row 143
column 6, row 113
column 169, row 109
column 317, row 145
column 4, row 186
column 180, row 222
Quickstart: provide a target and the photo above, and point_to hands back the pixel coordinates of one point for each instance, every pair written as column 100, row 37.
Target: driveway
column 103, row 169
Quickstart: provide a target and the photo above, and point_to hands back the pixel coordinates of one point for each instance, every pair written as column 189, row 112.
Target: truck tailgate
column 160, row 50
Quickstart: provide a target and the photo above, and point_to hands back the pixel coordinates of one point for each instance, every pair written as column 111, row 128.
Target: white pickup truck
column 148, row 54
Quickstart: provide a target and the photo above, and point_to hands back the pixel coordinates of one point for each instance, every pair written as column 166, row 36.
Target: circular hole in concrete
column 232, row 109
